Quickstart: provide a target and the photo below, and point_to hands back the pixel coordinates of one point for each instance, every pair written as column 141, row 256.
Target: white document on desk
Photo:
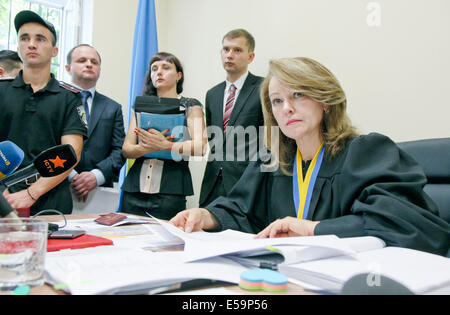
column 328, row 261
column 420, row 272
column 114, row 270
column 131, row 236
column 202, row 245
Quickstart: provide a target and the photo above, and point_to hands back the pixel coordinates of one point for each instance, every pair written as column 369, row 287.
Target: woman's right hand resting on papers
column 195, row 219
column 287, row 227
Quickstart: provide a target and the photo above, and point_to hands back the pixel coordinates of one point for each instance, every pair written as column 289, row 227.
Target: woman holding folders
column 160, row 186
column 332, row 180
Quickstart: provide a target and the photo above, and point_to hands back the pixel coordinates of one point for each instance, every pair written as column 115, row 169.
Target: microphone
column 49, row 163
column 11, row 156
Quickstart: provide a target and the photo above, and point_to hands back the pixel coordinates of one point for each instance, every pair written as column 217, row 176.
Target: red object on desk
column 23, row 212
column 110, row 218
column 83, row 241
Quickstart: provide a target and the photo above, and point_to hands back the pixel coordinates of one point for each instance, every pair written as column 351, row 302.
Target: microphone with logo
column 11, row 156
column 52, row 162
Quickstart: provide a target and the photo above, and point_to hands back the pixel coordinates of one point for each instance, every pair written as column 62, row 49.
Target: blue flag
column 145, row 45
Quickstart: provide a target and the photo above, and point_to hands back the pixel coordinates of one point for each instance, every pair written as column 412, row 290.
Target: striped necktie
column 229, row 106
column 84, row 97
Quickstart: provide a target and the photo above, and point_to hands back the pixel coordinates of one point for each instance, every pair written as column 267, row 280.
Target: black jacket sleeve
column 381, row 194
column 244, row 209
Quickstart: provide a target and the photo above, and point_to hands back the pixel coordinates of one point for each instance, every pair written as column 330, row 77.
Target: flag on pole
column 145, row 45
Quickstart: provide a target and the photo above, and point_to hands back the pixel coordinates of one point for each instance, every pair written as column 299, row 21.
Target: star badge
column 58, row 162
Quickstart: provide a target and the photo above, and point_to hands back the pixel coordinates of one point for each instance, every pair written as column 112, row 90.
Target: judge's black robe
column 370, row 188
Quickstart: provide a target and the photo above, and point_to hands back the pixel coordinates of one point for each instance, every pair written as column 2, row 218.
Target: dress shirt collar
column 92, row 90
column 239, row 83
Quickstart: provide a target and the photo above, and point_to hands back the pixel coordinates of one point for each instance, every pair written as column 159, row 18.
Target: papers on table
column 326, row 262
column 119, row 270
column 201, row 245
column 130, row 235
column 420, row 272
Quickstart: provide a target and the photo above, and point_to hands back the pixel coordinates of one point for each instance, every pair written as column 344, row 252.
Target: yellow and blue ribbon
column 303, row 188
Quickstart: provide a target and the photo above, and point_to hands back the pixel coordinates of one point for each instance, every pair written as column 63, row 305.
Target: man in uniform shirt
column 37, row 112
column 10, row 64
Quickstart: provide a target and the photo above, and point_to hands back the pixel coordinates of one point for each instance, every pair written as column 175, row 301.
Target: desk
column 48, row 290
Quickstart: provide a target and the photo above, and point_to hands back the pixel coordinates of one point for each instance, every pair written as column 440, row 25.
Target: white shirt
column 239, row 83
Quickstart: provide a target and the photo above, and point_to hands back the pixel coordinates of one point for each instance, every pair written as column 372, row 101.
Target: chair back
column 434, row 157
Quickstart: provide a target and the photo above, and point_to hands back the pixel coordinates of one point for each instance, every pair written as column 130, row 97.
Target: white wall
column 113, row 33
column 395, row 74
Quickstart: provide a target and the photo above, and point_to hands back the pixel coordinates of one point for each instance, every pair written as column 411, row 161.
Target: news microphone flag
column 145, row 45
column 49, row 163
column 55, row 161
column 11, row 156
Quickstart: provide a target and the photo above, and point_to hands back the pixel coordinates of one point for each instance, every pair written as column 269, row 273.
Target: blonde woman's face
column 298, row 116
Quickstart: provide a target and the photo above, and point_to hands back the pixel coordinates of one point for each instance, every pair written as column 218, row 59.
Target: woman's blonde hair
column 312, row 80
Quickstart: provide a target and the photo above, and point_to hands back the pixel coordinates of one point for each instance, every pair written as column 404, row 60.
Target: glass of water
column 23, row 244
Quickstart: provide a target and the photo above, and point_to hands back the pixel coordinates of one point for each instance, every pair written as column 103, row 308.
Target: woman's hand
column 153, row 140
column 288, row 226
column 196, row 219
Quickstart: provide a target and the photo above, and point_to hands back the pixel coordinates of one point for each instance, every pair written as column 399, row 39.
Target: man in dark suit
column 101, row 159
column 233, row 117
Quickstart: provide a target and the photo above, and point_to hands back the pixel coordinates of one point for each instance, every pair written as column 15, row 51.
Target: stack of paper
column 326, row 262
column 420, row 272
column 118, row 270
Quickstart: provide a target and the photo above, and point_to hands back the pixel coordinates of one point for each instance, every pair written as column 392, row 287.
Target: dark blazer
column 370, row 188
column 103, row 147
column 247, row 111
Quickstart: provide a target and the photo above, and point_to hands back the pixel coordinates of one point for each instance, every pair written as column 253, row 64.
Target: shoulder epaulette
column 69, row 87
column 7, row 79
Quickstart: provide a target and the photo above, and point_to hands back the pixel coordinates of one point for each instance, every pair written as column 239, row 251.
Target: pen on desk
column 164, row 289
column 183, row 286
column 268, row 265
column 319, row 291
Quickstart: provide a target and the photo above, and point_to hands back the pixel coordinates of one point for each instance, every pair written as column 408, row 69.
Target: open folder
column 119, row 270
column 326, row 262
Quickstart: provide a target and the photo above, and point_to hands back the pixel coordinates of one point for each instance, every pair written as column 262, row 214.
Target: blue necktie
column 84, row 97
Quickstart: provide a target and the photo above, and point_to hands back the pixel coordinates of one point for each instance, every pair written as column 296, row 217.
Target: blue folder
column 174, row 122
column 160, row 114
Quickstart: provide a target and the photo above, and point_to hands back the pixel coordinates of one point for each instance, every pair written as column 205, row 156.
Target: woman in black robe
column 331, row 180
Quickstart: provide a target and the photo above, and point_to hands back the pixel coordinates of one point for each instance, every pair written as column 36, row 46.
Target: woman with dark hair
column 164, row 79
column 332, row 180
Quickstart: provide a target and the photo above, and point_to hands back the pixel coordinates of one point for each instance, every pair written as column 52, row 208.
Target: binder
column 160, row 114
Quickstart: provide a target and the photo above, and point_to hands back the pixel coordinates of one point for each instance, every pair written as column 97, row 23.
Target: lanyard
column 303, row 188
